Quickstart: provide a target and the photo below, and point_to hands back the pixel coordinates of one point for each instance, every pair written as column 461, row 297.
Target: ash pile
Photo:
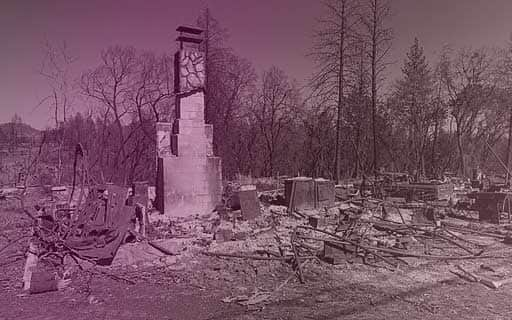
column 294, row 225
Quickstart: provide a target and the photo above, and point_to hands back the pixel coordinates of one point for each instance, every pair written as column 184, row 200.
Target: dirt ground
column 196, row 288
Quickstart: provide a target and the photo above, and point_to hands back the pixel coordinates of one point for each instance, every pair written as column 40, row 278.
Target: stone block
column 195, row 115
column 187, row 126
column 163, row 138
column 191, row 103
column 214, row 176
column 42, row 281
column 334, row 253
column 163, row 126
column 249, row 203
column 223, row 235
column 241, row 235
column 183, row 145
column 189, row 185
column 321, row 222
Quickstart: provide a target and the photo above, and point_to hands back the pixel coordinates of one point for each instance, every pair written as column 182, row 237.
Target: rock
column 228, row 278
column 332, row 211
column 169, row 260
column 177, row 267
column 241, row 235
column 323, row 297
column 224, row 235
column 93, row 299
column 279, row 210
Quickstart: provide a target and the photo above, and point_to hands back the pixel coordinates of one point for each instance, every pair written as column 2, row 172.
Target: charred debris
column 385, row 222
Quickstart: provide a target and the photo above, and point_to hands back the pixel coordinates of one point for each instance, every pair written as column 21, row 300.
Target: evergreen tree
column 413, row 105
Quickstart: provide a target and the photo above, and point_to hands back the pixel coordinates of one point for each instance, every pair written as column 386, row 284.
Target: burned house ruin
column 189, row 179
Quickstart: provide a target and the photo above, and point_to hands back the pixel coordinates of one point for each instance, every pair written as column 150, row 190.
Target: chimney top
column 189, row 35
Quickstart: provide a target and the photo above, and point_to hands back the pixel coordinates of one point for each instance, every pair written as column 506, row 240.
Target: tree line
column 350, row 120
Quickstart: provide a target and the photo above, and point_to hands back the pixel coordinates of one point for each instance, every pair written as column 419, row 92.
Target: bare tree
column 506, row 83
column 317, row 125
column 15, row 134
column 244, row 144
column 152, row 87
column 214, row 50
column 111, row 85
column 470, row 82
column 273, row 111
column 57, row 67
column 440, row 104
column 334, row 41
column 378, row 38
column 358, row 109
column 230, row 80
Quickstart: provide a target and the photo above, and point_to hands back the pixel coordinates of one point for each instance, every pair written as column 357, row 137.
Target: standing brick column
column 189, row 178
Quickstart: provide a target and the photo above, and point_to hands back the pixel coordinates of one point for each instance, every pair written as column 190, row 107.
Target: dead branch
column 244, row 256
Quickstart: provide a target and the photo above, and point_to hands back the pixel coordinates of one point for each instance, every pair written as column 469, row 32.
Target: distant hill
column 22, row 130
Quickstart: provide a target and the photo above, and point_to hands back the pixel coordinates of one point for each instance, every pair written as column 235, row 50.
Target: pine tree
column 414, row 106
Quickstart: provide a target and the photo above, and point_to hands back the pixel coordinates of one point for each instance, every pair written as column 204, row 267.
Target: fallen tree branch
column 395, row 252
column 302, row 265
column 13, row 242
column 468, row 250
column 467, row 230
column 17, row 256
column 244, row 256
column 493, row 284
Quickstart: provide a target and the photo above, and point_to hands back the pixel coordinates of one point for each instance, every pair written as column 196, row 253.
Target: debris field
column 251, row 257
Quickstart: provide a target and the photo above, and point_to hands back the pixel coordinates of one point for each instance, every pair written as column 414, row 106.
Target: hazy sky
column 267, row 32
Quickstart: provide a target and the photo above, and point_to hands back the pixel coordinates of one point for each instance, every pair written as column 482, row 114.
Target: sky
column 266, row 32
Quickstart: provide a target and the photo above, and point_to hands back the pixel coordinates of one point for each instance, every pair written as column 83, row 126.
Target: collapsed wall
column 189, row 179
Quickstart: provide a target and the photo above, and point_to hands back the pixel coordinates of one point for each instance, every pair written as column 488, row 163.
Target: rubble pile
column 107, row 234
column 275, row 197
column 362, row 229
